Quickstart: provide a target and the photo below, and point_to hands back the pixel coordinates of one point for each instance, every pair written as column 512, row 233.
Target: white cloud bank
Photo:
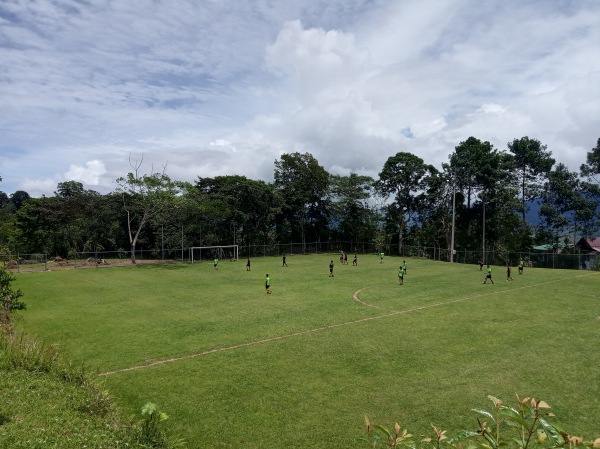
column 217, row 88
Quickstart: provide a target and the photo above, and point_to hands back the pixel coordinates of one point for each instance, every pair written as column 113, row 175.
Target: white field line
column 587, row 295
column 331, row 326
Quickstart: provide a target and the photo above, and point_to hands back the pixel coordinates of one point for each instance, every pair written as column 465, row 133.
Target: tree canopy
column 410, row 202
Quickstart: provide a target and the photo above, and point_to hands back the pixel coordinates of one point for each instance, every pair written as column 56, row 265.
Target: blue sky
column 208, row 88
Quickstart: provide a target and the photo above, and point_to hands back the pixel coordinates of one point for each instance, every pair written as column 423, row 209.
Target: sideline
column 331, row 326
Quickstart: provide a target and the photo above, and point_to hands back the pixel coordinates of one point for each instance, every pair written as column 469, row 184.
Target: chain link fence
column 100, row 259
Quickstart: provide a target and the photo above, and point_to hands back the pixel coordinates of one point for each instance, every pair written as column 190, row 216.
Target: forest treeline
column 410, row 203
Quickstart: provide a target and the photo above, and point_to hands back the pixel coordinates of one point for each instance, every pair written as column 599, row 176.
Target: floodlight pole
column 483, row 231
column 453, row 219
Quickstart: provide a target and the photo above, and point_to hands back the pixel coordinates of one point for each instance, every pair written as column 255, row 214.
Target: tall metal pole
column 483, row 232
column 453, row 220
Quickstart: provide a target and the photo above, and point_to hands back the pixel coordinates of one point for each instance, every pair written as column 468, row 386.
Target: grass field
column 235, row 367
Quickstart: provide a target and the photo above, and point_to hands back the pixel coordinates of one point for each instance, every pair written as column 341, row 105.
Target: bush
column 151, row 431
column 525, row 426
column 9, row 299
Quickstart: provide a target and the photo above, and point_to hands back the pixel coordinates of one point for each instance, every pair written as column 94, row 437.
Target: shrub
column 151, row 431
column 524, row 426
column 9, row 298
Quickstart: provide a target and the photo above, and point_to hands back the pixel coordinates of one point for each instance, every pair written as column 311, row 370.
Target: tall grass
column 49, row 402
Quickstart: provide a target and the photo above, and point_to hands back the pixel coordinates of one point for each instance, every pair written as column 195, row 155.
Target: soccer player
column 404, row 267
column 268, row 284
column 331, row 269
column 508, row 276
column 381, row 257
column 401, row 275
column 488, row 275
column 521, row 265
column 284, row 263
column 215, row 263
column 355, row 261
column 248, row 265
column 481, row 265
column 345, row 259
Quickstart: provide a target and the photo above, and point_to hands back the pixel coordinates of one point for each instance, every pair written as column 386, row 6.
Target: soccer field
column 233, row 366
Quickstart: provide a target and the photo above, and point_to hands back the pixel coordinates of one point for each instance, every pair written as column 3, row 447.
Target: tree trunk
column 133, row 261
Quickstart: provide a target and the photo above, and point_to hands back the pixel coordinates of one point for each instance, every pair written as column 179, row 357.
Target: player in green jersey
column 401, row 276
column 488, row 275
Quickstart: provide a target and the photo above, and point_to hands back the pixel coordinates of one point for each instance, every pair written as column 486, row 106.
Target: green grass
column 425, row 352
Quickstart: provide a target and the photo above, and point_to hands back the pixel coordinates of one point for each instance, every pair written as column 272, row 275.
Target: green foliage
column 48, row 402
column 145, row 197
column 526, row 425
column 19, row 352
column 532, row 163
column 151, row 431
column 9, row 298
column 406, row 177
column 303, row 186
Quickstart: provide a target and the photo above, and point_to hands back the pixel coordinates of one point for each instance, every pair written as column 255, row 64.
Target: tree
column 144, row 197
column 19, row 198
column 591, row 169
column 351, row 212
column 531, row 164
column 303, row 184
column 68, row 189
column 405, row 176
column 562, row 202
column 435, row 218
column 591, row 186
column 469, row 163
column 239, row 209
column 481, row 173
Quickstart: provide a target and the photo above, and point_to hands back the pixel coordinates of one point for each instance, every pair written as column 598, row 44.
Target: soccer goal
column 222, row 252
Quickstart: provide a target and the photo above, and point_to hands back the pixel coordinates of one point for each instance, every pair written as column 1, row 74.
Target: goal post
column 221, row 252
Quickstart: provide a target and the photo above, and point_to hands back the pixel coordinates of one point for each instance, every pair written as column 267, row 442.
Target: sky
column 204, row 88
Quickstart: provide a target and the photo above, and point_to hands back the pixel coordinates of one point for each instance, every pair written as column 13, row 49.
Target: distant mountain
column 533, row 218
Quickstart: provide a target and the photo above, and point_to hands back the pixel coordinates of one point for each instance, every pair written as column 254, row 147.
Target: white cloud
column 90, row 174
column 217, row 88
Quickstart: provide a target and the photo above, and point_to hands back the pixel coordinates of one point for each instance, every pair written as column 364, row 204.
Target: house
column 590, row 249
column 589, row 245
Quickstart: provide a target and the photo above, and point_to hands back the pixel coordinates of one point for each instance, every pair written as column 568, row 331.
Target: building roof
column 550, row 247
column 589, row 244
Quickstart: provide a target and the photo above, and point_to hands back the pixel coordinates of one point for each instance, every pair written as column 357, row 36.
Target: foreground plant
column 151, row 429
column 9, row 298
column 525, row 426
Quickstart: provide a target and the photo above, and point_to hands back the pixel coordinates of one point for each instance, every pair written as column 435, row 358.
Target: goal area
column 221, row 252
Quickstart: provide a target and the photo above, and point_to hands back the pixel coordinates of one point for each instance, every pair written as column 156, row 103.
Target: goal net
column 223, row 252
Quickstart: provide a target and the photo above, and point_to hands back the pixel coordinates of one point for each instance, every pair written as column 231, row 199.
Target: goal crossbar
column 216, row 251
